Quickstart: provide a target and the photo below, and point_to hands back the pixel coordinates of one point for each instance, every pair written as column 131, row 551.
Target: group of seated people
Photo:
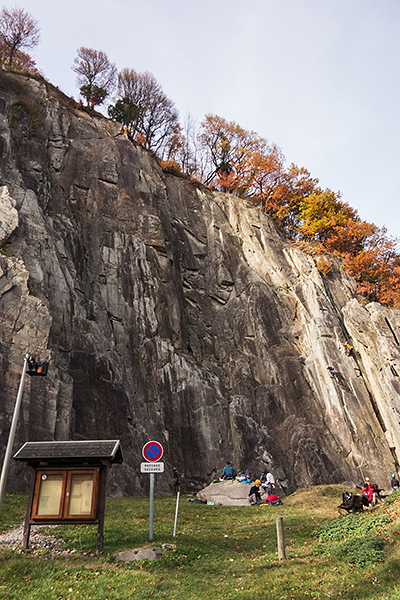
column 261, row 487
column 256, row 492
column 371, row 491
column 261, row 490
column 370, row 494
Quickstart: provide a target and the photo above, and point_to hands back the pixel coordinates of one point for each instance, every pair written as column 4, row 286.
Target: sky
column 319, row 78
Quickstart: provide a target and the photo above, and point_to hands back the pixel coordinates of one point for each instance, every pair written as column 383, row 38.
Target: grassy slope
column 221, row 553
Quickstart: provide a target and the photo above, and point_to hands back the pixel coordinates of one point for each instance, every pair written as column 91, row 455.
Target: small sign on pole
column 152, row 467
column 152, row 452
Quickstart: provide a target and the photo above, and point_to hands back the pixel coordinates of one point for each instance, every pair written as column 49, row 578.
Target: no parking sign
column 152, row 451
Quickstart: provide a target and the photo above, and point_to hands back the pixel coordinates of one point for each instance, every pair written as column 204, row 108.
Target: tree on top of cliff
column 22, row 62
column 376, row 267
column 95, row 74
column 17, row 30
column 323, row 214
column 143, row 107
column 228, row 148
column 241, row 162
column 284, row 198
column 369, row 254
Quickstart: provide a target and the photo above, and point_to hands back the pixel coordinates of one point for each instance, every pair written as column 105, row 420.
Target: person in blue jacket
column 228, row 472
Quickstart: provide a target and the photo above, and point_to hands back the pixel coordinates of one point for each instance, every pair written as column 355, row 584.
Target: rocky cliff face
column 172, row 313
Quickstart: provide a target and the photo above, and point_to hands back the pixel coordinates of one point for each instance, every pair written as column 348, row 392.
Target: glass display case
column 65, row 494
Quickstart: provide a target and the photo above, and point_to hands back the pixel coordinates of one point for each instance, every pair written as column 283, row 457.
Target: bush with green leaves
column 394, row 496
column 353, row 525
column 352, row 538
column 361, row 551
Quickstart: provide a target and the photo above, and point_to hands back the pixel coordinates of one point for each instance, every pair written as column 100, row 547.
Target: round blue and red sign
column 152, row 451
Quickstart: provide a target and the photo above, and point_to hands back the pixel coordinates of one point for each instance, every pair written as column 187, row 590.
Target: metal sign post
column 176, row 512
column 7, row 457
column 151, row 511
column 32, row 367
column 152, row 452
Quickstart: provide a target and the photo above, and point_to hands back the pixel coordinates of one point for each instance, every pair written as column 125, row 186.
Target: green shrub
column 352, row 538
column 394, row 496
column 351, row 526
column 361, row 551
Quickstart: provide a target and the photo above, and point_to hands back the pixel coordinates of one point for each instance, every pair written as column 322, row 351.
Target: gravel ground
column 37, row 541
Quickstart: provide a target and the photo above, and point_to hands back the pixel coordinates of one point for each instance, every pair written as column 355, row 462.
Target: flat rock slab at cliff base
column 226, row 493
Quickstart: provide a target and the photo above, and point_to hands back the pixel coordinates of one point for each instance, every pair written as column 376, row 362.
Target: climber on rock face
column 348, row 348
column 332, row 372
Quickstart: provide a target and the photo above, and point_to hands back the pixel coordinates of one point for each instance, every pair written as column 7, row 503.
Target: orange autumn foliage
column 22, row 62
column 284, row 199
column 243, row 163
column 377, row 269
column 369, row 254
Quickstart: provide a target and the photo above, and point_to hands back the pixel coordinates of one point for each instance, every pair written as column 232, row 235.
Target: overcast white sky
column 320, row 78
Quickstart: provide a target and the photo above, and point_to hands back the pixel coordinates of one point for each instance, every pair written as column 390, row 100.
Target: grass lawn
column 220, row 553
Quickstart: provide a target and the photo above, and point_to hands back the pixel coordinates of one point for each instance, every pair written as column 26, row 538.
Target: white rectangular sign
column 155, row 467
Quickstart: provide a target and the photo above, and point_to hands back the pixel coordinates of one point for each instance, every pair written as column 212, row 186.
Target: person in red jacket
column 368, row 492
column 273, row 499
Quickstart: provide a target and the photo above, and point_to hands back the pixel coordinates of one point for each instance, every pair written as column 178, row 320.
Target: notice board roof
column 71, row 451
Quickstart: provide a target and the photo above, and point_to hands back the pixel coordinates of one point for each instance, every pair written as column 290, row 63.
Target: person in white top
column 270, row 483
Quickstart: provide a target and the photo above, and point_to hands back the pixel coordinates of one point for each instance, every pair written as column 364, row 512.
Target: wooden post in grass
column 281, row 538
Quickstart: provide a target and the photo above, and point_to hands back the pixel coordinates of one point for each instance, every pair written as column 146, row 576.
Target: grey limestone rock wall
column 172, row 313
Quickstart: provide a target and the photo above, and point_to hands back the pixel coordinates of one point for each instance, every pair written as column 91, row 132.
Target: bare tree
column 155, row 118
column 17, row 30
column 96, row 75
column 190, row 156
